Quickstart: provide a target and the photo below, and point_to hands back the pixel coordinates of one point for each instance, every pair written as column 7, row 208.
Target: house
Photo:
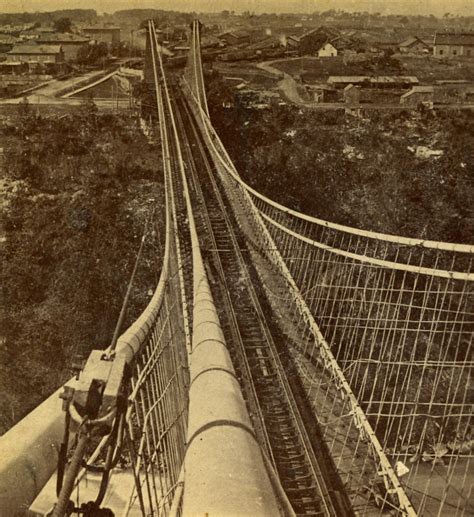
column 267, row 43
column 36, row 58
column 450, row 44
column 109, row 34
column 352, row 94
column 15, row 29
column 181, row 50
column 327, row 50
column 34, row 34
column 35, row 54
column 291, row 41
column 13, row 68
column 413, row 44
column 418, row 95
column 234, row 37
column 324, row 93
column 209, row 41
column 311, row 41
column 365, row 81
column 70, row 43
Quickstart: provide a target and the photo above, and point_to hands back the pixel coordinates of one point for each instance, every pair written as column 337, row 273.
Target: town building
column 234, row 37
column 34, row 34
column 413, row 45
column 15, row 29
column 352, row 94
column 327, row 50
column 7, row 42
column 449, row 44
column 380, row 81
column 13, row 69
column 310, row 42
column 69, row 42
column 109, row 35
column 30, row 35
column 292, row 42
column 39, row 58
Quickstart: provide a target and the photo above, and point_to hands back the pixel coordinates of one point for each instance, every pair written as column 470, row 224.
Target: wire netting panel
column 371, row 484
column 380, row 328
column 399, row 319
column 157, row 419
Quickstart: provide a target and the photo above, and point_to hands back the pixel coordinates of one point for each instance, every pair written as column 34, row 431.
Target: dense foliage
column 368, row 172
column 92, row 54
column 47, row 17
column 63, row 24
column 80, row 189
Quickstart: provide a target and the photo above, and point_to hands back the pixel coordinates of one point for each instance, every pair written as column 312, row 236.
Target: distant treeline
column 46, row 17
column 146, row 13
column 159, row 15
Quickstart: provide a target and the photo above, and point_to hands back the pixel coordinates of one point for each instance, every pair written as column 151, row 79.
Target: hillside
column 374, row 172
column 79, row 188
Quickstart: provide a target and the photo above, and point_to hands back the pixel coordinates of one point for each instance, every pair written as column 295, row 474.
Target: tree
column 92, row 54
column 62, row 25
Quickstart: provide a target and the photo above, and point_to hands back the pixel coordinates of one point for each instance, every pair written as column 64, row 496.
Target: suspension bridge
column 285, row 365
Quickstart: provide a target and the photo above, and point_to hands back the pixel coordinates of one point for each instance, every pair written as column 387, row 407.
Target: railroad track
column 182, row 228
column 285, row 427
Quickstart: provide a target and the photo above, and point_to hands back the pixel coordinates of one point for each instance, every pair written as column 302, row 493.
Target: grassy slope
column 360, row 172
column 79, row 188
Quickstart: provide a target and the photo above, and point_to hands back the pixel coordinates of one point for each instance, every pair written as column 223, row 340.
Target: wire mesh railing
column 391, row 316
column 158, row 400
column 199, row 451
column 396, row 314
column 364, row 468
column 158, row 403
column 399, row 319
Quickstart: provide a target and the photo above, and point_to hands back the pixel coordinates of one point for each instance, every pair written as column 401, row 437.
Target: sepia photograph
column 237, row 247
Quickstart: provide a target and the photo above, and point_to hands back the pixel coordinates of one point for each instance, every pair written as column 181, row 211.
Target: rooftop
column 100, row 29
column 454, row 38
column 7, row 39
column 59, row 37
column 386, row 79
column 268, row 42
column 237, row 33
column 329, row 32
column 412, row 39
column 291, row 32
column 35, row 49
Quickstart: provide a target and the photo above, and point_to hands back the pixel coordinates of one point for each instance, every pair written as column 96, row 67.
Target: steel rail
column 386, row 471
column 226, row 447
column 256, row 408
column 330, row 507
column 461, row 248
column 253, row 401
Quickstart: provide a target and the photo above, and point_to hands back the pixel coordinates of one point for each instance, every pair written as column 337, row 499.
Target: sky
column 437, row 7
